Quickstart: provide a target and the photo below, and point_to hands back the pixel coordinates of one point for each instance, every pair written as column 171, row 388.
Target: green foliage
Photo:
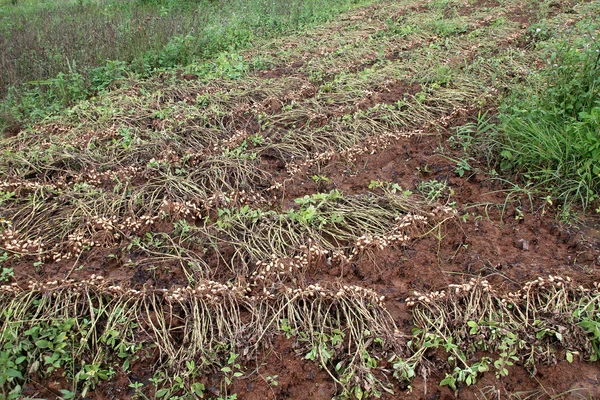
column 467, row 374
column 7, row 273
column 43, row 347
column 167, row 387
column 309, row 215
column 38, row 99
column 399, row 28
column 462, row 167
column 272, row 380
column 588, row 318
column 232, row 369
column 241, row 151
column 448, row 27
column 101, row 77
column 434, row 190
column 389, row 187
column 549, row 132
column 181, row 228
column 404, row 370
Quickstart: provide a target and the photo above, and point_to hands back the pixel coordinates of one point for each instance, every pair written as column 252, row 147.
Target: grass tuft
column 548, row 131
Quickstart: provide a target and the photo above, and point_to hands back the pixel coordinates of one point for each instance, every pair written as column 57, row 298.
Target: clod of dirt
column 522, row 244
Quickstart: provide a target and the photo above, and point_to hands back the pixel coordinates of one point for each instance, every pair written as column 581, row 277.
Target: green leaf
column 358, row 392
column 198, row 389
column 42, row 344
column 504, row 165
column 449, row 381
column 162, row 392
column 232, row 358
column 474, row 327
column 15, row 393
column 559, row 336
column 13, row 373
column 569, row 356
column 67, row 394
column 312, row 355
column 190, row 365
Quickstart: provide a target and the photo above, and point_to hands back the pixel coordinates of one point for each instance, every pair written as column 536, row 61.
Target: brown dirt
column 296, row 378
column 507, row 241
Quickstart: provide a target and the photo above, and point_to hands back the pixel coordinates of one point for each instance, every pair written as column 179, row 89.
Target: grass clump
column 548, row 129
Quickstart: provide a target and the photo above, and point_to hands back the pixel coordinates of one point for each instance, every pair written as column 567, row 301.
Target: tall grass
column 549, row 130
column 86, row 44
column 37, row 43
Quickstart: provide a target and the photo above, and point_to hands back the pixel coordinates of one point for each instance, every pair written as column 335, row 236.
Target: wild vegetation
column 548, row 129
column 53, row 54
column 215, row 211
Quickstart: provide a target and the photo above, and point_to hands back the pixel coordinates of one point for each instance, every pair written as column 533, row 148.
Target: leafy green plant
column 7, row 273
column 321, row 178
column 448, row 27
column 548, row 132
column 272, row 380
column 240, row 152
column 126, row 138
column 11, row 375
column 137, row 387
column 232, row 369
column 181, row 228
column 43, row 348
column 587, row 317
column 434, row 190
column 467, row 375
column 507, row 356
column 462, row 167
column 90, row 374
column 390, row 187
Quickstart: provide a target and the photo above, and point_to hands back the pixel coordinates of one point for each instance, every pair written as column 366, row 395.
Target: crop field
column 395, row 199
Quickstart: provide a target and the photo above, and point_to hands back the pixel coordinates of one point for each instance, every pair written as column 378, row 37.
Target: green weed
column 548, row 132
column 7, row 273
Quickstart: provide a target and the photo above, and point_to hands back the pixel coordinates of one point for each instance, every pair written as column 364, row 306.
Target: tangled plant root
column 547, row 318
column 324, row 229
column 346, row 326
